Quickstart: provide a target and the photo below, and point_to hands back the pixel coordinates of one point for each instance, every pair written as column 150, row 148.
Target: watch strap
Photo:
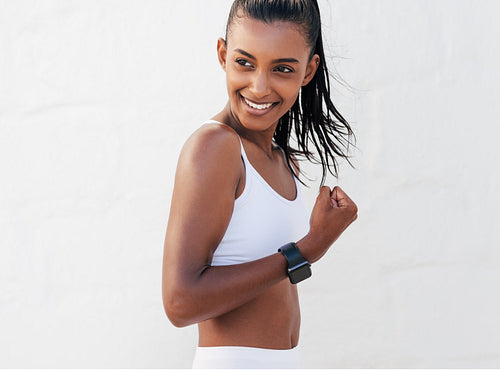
column 292, row 254
column 298, row 267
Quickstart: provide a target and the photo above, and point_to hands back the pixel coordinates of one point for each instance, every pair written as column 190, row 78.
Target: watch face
column 300, row 273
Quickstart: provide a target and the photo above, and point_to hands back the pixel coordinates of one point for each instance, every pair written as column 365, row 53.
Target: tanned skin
column 250, row 304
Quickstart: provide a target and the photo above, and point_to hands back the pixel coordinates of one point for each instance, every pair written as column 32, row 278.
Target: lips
column 262, row 107
column 257, row 106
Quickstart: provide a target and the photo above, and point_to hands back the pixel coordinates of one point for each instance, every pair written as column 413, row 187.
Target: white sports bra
column 262, row 220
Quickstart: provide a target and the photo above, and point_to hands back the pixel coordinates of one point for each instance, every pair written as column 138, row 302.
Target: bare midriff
column 271, row 320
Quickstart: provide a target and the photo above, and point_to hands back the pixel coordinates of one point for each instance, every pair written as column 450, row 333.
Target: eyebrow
column 280, row 60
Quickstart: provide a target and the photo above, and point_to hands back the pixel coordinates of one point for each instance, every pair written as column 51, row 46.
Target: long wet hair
column 313, row 117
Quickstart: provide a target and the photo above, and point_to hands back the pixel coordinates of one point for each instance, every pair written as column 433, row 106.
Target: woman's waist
column 272, row 320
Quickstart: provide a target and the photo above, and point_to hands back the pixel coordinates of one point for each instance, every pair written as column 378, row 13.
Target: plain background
column 96, row 100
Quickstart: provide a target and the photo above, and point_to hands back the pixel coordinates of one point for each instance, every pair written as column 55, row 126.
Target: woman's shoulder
column 212, row 130
column 215, row 138
column 211, row 145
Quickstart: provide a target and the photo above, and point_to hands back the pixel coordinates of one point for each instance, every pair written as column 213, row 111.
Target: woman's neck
column 261, row 139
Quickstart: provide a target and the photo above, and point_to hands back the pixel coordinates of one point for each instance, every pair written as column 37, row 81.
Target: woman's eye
column 243, row 62
column 284, row 69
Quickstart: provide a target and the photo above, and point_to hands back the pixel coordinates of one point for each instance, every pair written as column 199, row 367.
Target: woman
column 236, row 200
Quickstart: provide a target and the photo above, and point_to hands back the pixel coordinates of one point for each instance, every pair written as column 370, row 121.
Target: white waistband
column 236, row 357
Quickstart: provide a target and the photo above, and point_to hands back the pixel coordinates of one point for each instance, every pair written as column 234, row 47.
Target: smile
column 257, row 106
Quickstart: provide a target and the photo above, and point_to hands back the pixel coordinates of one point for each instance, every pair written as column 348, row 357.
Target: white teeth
column 258, row 106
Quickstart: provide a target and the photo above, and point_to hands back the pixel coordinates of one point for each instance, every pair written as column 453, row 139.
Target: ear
column 311, row 69
column 222, row 52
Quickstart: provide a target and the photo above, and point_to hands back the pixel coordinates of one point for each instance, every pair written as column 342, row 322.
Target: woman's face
column 266, row 64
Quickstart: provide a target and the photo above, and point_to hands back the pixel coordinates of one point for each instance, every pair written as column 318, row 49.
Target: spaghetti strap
column 249, row 165
column 243, row 153
column 261, row 220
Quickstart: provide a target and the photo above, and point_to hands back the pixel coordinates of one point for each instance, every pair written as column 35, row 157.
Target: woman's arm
column 207, row 177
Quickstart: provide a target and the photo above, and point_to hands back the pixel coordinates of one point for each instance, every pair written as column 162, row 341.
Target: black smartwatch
column 298, row 267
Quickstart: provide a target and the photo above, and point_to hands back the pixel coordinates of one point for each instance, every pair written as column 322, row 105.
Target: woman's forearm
column 220, row 289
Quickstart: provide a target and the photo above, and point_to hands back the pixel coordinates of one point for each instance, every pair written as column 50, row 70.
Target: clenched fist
column 333, row 212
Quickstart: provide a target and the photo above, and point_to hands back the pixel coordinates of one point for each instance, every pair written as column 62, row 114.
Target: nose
column 260, row 86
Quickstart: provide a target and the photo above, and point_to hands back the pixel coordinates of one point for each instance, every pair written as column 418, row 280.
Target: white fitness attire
column 279, row 221
column 233, row 357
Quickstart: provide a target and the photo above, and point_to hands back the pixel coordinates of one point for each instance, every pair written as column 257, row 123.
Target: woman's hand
column 333, row 212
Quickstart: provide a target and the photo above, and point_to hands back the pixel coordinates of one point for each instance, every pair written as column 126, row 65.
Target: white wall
column 96, row 99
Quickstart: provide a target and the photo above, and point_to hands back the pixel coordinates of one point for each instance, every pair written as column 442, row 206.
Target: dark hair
column 310, row 117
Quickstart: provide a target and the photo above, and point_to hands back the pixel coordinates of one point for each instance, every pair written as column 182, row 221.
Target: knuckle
column 352, row 210
column 324, row 192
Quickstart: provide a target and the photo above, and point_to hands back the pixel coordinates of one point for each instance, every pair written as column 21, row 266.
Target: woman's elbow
column 177, row 308
column 175, row 316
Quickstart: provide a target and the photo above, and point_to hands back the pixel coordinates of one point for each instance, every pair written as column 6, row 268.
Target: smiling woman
column 259, row 83
column 239, row 237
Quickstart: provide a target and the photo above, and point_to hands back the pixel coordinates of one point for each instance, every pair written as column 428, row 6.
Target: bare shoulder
column 209, row 163
column 211, row 144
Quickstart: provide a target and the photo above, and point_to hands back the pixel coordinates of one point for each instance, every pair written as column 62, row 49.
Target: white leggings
column 233, row 357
